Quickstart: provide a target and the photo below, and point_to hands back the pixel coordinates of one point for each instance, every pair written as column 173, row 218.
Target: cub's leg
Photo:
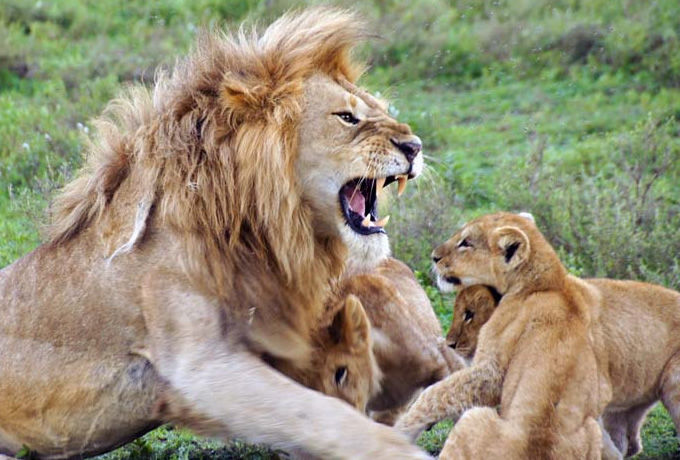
column 218, row 388
column 636, row 417
column 615, row 433
column 482, row 434
column 670, row 390
column 617, row 422
column 623, row 429
column 453, row 360
column 609, row 449
column 475, row 386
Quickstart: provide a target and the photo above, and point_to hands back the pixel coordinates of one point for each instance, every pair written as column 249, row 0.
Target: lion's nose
column 453, row 345
column 410, row 148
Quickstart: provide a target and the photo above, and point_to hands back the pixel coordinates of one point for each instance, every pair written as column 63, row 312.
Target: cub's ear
column 351, row 326
column 513, row 243
column 528, row 216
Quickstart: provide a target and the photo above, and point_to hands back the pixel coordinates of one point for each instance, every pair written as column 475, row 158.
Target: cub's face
column 344, row 365
column 473, row 308
column 485, row 251
column 349, row 149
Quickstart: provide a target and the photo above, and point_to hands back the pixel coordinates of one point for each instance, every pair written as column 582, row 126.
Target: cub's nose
column 453, row 345
column 409, row 148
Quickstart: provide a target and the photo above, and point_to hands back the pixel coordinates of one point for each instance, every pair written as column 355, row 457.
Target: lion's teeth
column 367, row 221
column 382, row 222
column 379, row 184
column 402, row 184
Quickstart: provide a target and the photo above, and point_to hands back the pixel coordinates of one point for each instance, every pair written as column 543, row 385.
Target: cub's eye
column 340, row 375
column 347, row 117
column 464, row 244
column 469, row 315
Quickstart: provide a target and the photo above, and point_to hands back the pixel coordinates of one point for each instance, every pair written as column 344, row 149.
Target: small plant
column 619, row 219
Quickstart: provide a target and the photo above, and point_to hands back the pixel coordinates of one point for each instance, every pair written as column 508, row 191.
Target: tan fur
column 408, row 344
column 342, row 363
column 472, row 309
column 204, row 231
column 642, row 367
column 536, row 357
column 405, row 354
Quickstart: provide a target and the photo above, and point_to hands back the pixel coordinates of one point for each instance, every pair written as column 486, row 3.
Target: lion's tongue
column 356, row 200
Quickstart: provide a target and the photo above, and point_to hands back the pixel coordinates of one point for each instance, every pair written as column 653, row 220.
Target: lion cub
column 642, row 368
column 472, row 308
column 408, row 341
column 535, row 357
column 341, row 362
column 379, row 344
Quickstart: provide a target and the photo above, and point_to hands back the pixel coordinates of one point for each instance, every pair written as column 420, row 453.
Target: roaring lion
column 537, row 357
column 408, row 345
column 212, row 218
column 641, row 368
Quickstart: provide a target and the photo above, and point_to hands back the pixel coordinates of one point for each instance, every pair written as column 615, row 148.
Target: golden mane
column 210, row 151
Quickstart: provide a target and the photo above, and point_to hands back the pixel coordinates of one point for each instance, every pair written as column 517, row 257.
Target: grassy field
column 565, row 108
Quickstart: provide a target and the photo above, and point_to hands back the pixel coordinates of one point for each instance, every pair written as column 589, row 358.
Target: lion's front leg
column 236, row 395
column 220, row 389
column 475, row 386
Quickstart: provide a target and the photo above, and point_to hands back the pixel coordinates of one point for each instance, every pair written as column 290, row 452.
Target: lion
column 536, row 357
column 342, row 363
column 642, row 368
column 382, row 353
column 473, row 307
column 406, row 335
column 212, row 218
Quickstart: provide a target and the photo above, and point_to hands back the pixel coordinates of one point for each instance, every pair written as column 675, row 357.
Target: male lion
column 535, row 356
column 643, row 367
column 205, row 231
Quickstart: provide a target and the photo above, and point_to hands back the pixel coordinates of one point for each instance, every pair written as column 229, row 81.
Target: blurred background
column 565, row 108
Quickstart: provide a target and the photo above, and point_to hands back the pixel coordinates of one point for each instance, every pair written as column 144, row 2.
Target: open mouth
column 453, row 280
column 359, row 203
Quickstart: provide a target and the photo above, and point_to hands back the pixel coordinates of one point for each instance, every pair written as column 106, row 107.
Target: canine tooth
column 402, row 184
column 367, row 221
column 379, row 184
column 382, row 222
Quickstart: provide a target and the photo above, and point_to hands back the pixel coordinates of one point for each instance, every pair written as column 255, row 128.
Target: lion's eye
column 469, row 315
column 464, row 244
column 340, row 375
column 347, row 117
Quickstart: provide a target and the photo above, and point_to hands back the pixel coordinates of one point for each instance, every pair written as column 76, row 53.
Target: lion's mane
column 209, row 155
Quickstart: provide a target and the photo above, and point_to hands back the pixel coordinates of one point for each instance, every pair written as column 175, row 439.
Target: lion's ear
column 350, row 325
column 513, row 243
column 246, row 98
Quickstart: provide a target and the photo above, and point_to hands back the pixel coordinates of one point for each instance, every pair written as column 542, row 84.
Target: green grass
column 564, row 108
